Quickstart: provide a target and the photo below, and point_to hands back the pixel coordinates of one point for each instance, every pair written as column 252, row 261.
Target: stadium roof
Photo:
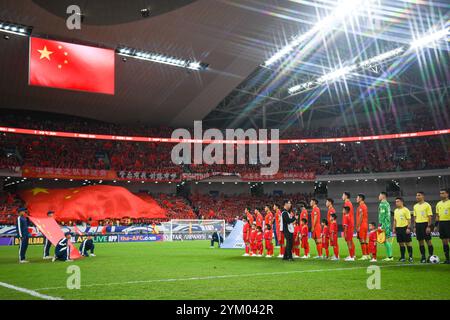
column 403, row 74
column 231, row 36
column 236, row 38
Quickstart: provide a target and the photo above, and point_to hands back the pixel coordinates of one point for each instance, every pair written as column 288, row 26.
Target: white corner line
column 30, row 292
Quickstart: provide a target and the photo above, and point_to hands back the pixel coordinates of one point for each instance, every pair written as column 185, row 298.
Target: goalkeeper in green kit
column 384, row 220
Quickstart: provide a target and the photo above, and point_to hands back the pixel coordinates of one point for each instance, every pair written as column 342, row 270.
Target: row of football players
column 325, row 231
column 254, row 237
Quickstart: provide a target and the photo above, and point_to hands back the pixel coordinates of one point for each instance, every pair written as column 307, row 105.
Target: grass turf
column 191, row 270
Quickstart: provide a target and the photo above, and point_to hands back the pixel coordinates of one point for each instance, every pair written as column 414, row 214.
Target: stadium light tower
column 343, row 9
column 336, row 74
column 344, row 71
column 427, row 40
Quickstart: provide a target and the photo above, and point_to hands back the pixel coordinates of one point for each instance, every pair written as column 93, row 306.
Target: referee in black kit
column 287, row 227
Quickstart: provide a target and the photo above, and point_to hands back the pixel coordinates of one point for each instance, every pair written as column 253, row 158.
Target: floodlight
column 430, row 38
column 16, row 29
column 343, row 9
column 160, row 58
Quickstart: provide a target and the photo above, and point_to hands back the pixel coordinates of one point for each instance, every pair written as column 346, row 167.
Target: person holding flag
column 47, row 243
column 62, row 249
column 22, row 232
column 384, row 220
column 87, row 245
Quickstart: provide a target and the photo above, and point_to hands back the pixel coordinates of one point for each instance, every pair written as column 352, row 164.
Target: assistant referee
column 402, row 229
column 443, row 221
column 422, row 220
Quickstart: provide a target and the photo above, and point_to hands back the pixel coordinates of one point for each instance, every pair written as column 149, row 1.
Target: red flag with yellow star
column 71, row 66
column 95, row 202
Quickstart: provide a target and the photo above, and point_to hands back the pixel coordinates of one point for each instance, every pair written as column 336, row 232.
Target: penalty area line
column 28, row 291
column 226, row 276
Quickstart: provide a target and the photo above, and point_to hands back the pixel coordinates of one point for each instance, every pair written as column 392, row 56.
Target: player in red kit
column 373, row 241
column 280, row 235
column 316, row 229
column 330, row 206
column 268, row 218
column 334, row 236
column 362, row 225
column 303, row 212
column 258, row 218
column 268, row 236
column 259, row 241
column 296, row 246
column 253, row 232
column 304, row 238
column 349, row 225
column 246, row 236
column 277, row 217
column 249, row 216
column 325, row 237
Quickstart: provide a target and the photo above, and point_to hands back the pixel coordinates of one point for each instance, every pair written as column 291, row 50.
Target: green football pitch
column 191, row 270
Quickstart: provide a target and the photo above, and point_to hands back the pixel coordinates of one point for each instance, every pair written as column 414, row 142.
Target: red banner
column 159, row 176
column 71, row 66
column 67, row 173
column 95, row 174
column 52, row 231
column 202, row 176
column 255, row 176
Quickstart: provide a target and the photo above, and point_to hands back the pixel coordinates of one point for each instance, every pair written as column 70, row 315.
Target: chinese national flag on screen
column 71, row 66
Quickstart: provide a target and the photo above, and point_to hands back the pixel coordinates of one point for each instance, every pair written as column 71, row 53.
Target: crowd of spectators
column 331, row 158
column 9, row 203
column 228, row 207
column 176, row 207
column 18, row 150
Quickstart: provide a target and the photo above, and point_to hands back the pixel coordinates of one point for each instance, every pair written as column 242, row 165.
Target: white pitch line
column 226, row 276
column 28, row 291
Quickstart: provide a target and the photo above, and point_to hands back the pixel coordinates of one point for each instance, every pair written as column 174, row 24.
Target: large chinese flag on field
column 96, row 202
column 52, row 231
column 71, row 66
